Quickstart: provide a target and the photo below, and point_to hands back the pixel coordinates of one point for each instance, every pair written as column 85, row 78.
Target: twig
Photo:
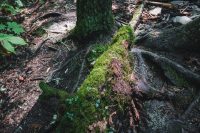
column 81, row 69
column 137, row 115
column 37, row 78
column 40, row 45
column 63, row 65
column 120, row 21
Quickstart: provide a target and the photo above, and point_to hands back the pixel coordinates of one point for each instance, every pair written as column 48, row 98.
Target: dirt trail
column 21, row 82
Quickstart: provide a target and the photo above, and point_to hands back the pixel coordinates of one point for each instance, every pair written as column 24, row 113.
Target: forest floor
column 52, row 58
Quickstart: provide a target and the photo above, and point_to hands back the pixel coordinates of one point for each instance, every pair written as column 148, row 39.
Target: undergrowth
column 10, row 36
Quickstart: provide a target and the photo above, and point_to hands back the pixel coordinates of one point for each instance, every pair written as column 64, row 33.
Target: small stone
column 156, row 11
column 181, row 19
column 21, row 79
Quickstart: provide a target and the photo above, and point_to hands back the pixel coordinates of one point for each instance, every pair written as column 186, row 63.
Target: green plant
column 14, row 27
column 9, row 39
column 9, row 42
column 8, row 8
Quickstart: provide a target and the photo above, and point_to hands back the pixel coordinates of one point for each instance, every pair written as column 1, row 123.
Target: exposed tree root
column 167, row 64
column 142, row 84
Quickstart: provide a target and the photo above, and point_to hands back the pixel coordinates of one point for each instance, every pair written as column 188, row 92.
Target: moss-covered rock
column 48, row 92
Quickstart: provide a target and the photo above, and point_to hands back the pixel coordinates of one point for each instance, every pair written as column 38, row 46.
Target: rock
column 156, row 11
column 181, row 19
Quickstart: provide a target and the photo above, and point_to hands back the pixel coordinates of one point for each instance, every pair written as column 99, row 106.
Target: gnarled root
column 168, row 66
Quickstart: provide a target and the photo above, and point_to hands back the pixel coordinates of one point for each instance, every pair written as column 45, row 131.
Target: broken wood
column 162, row 4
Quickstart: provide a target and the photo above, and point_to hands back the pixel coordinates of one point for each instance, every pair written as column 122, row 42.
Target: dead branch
column 136, row 16
column 162, row 4
column 137, row 115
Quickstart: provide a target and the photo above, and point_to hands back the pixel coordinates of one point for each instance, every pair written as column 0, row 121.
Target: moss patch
column 48, row 92
column 95, row 52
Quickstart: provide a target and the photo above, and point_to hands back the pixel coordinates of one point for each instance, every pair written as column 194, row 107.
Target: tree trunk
column 93, row 16
column 183, row 38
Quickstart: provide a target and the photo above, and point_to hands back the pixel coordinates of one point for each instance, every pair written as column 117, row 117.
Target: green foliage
column 8, row 8
column 11, row 7
column 10, row 31
column 19, row 3
column 11, row 38
column 14, row 27
column 9, row 42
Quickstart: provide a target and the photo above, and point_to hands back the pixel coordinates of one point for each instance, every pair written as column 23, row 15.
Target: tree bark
column 93, row 16
column 183, row 38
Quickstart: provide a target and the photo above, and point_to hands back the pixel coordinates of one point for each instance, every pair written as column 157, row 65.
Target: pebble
column 181, row 19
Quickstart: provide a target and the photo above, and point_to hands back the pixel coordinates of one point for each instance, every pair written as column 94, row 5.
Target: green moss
column 124, row 33
column 117, row 50
column 178, row 79
column 48, row 92
column 96, row 51
column 89, row 105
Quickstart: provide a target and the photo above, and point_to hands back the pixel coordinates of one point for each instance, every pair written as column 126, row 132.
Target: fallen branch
column 136, row 16
column 162, row 4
